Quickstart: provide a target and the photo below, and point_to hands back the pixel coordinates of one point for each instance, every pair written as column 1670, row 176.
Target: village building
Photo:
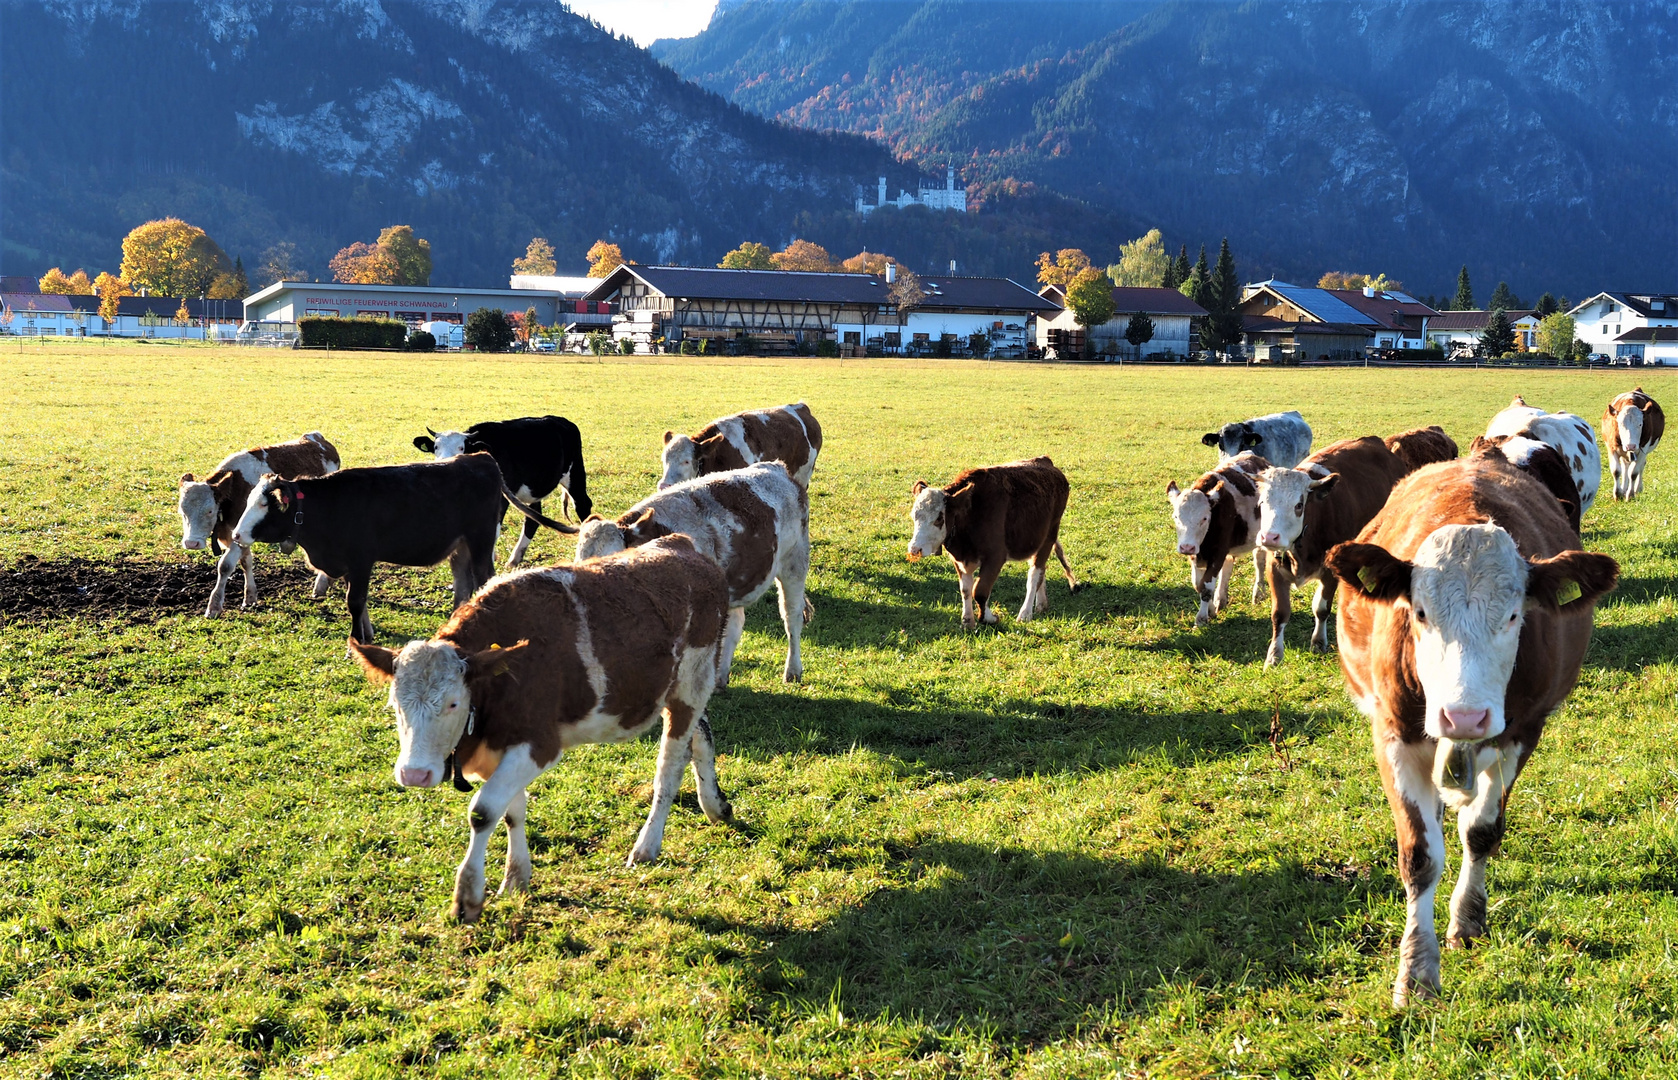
column 1615, row 325
column 36, row 314
column 779, row 311
column 284, row 302
column 1280, row 322
column 1455, row 331
column 1176, row 321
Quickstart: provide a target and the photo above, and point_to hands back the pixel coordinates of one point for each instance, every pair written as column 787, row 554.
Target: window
column 922, row 337
column 853, row 337
column 1633, row 351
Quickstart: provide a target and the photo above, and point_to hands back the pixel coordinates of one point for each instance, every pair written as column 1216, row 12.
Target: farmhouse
column 288, row 301
column 1279, row 319
column 1458, row 329
column 779, row 310
column 1611, row 323
column 51, row 314
column 1174, row 317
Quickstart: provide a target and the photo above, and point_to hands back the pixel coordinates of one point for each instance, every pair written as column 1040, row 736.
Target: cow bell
column 1453, row 767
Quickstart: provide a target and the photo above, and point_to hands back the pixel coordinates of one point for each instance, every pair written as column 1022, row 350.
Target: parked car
column 542, row 345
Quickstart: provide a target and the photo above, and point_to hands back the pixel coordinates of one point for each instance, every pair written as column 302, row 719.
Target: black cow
column 537, row 454
column 410, row 515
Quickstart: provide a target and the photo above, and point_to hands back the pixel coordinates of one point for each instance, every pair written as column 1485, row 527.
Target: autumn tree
column 1142, row 263
column 907, row 292
column 603, row 258
column 57, row 281
column 170, row 257
column 110, row 290
column 412, row 254
column 279, row 263
column 867, row 262
column 538, row 259
column 1061, row 268
column 1464, row 300
column 749, row 256
column 232, row 285
column 183, row 317
column 364, row 264
column 803, row 255
column 1090, row 296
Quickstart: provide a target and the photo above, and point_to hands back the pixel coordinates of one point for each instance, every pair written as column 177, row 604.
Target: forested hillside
column 1523, row 137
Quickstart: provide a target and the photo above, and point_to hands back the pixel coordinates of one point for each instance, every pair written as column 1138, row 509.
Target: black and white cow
column 537, row 455
column 1283, row 439
column 410, row 515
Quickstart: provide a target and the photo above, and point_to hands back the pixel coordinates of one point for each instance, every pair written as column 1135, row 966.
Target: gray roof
column 796, row 286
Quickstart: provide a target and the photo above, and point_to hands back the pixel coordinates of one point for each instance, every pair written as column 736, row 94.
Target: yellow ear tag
column 493, row 645
column 1567, row 592
column 1366, row 574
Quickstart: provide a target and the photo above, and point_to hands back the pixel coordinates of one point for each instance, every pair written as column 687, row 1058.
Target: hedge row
column 334, row 332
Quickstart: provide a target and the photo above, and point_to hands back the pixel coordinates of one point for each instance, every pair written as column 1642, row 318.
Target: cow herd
column 1465, row 602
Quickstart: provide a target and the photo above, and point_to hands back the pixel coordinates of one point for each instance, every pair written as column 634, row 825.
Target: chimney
column 1369, row 291
column 891, row 273
column 952, row 268
column 882, row 201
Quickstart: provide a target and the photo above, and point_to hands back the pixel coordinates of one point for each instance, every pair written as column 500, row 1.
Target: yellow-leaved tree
column 1142, row 262
column 110, row 289
column 1062, row 267
column 169, row 257
column 867, row 262
column 57, row 281
column 364, row 264
column 749, row 256
column 538, row 259
column 803, row 255
column 603, row 258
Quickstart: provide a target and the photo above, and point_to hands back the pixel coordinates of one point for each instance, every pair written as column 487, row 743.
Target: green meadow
column 1103, row 843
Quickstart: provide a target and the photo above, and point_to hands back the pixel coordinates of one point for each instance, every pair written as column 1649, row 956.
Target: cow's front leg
column 1638, row 465
column 492, row 801
column 674, row 751
column 1258, row 574
column 1224, row 574
column 732, row 632
column 248, row 561
column 1407, row 776
column 1322, row 606
column 1480, row 825
column 1281, row 606
column 516, row 878
column 965, row 580
column 988, row 573
column 1203, row 591
column 225, row 566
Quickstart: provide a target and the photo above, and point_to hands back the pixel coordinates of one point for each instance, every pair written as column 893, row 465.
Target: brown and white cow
column 542, row 660
column 1569, row 435
column 1422, row 446
column 1306, row 510
column 1540, row 461
column 1632, row 427
column 754, row 522
column 987, row 517
column 210, row 507
column 1465, row 611
column 785, row 433
column 1217, row 523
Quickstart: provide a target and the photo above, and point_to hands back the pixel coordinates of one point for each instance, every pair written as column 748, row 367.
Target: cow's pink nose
column 1271, row 539
column 1464, row 723
column 192, row 545
column 1188, row 549
column 416, row 777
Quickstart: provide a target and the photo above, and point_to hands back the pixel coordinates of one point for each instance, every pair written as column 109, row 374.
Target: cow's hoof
column 723, row 816
column 1413, row 989
column 1272, row 658
column 516, row 881
column 792, row 674
column 466, row 912
column 639, row 854
column 213, row 611
column 1202, row 620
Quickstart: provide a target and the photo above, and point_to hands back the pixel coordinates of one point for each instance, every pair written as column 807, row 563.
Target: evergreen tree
column 1197, row 283
column 1499, row 337
column 1140, row 330
column 1180, row 268
column 1504, row 299
column 1225, row 288
column 1464, row 300
column 1547, row 306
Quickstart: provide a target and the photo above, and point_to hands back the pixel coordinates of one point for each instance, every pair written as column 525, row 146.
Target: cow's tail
column 540, row 519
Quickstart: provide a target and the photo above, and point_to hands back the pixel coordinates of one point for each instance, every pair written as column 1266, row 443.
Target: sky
column 648, row 20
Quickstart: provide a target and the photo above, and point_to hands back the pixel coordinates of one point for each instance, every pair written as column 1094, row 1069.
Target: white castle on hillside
column 948, row 197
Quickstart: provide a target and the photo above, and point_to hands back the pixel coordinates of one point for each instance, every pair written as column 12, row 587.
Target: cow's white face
column 264, row 499
column 198, row 513
column 599, row 537
column 680, row 463
column 1630, row 422
column 1191, row 513
column 449, row 444
column 927, row 514
column 432, row 703
column 1282, row 495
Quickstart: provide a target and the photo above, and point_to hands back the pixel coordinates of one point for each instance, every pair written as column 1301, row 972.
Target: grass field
column 1064, row 848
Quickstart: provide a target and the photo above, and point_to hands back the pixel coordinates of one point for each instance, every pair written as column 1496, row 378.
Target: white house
column 1172, row 313
column 1609, row 321
column 1451, row 330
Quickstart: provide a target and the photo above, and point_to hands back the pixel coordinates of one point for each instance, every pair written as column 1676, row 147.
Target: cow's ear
column 425, row 445
column 1320, row 487
column 593, row 517
column 668, row 435
column 1569, row 578
column 1370, row 569
column 1215, row 493
column 1210, row 438
column 630, row 525
column 917, row 487
column 186, row 478
column 961, row 493
column 1250, row 439
column 1172, row 492
column 377, row 662
column 493, row 661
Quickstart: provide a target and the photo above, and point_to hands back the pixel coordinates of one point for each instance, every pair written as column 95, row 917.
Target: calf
column 986, row 517
column 1422, row 446
column 1464, row 616
column 1632, row 427
column 1539, row 461
column 537, row 455
column 1217, row 522
column 1283, row 439
column 754, row 522
column 410, row 515
column 547, row 659
column 786, row 433
column 1305, row 511
column 1570, row 435
column 210, row 507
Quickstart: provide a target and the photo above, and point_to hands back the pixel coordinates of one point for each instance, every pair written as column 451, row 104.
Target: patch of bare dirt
column 34, row 588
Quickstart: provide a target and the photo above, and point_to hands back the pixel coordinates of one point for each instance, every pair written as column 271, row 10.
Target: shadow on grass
column 1033, row 944
column 1013, row 737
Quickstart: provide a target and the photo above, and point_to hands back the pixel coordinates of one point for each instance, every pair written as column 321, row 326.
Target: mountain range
column 1532, row 140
